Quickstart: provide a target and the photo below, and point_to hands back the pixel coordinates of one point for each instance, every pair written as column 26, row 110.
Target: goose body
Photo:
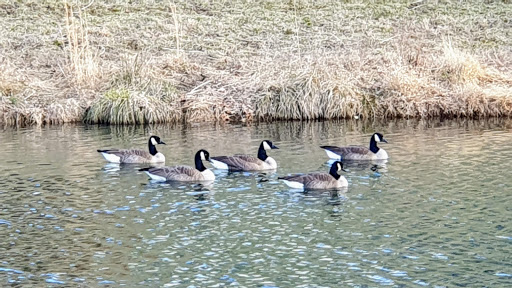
column 316, row 181
column 241, row 162
column 183, row 173
column 135, row 155
column 358, row 152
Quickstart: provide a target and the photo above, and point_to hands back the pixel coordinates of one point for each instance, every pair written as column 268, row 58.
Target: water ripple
column 435, row 214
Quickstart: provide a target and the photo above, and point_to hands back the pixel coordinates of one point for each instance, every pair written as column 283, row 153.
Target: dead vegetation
column 124, row 107
column 156, row 61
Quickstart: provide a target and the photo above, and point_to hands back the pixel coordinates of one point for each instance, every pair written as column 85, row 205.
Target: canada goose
column 357, row 152
column 136, row 155
column 314, row 181
column 241, row 162
column 183, row 173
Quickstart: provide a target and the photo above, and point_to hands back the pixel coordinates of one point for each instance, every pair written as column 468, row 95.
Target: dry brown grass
column 310, row 90
column 124, row 107
column 248, row 60
column 82, row 61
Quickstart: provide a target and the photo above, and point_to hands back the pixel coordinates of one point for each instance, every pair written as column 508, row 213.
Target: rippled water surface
column 437, row 214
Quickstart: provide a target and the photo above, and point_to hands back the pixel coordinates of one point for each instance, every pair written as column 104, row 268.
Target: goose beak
column 344, row 170
column 274, row 147
column 384, row 140
column 162, row 142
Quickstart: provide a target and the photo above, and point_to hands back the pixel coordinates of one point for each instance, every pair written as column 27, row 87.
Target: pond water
column 437, row 214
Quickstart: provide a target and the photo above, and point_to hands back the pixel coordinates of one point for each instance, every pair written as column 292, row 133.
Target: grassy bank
column 165, row 61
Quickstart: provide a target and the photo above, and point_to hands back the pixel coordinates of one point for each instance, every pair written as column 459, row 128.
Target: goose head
column 155, row 140
column 376, row 138
column 267, row 145
column 336, row 167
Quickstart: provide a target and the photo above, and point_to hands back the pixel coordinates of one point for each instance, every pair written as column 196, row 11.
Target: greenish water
column 437, row 214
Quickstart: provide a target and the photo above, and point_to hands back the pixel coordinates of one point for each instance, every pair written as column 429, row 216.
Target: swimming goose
column 313, row 181
column 183, row 173
column 136, row 155
column 241, row 162
column 357, row 152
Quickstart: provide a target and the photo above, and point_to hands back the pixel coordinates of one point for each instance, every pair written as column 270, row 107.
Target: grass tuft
column 124, row 107
column 310, row 97
column 459, row 67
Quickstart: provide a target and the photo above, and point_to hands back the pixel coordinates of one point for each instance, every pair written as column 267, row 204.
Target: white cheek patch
column 377, row 138
column 339, row 167
column 202, row 156
column 153, row 141
column 266, row 146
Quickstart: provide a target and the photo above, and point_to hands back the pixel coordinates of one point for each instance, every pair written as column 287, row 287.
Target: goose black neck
column 262, row 154
column 373, row 145
column 152, row 148
column 334, row 171
column 199, row 162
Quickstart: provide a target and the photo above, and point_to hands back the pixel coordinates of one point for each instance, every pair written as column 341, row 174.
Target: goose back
column 242, row 162
column 348, row 153
column 136, row 155
column 131, row 156
column 180, row 173
column 314, row 181
column 183, row 173
column 358, row 152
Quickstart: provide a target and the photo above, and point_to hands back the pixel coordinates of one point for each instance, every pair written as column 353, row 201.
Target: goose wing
column 314, row 180
column 347, row 151
column 240, row 162
column 129, row 155
column 177, row 173
column 308, row 178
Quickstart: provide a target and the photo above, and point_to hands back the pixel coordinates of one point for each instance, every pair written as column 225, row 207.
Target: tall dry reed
column 83, row 62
